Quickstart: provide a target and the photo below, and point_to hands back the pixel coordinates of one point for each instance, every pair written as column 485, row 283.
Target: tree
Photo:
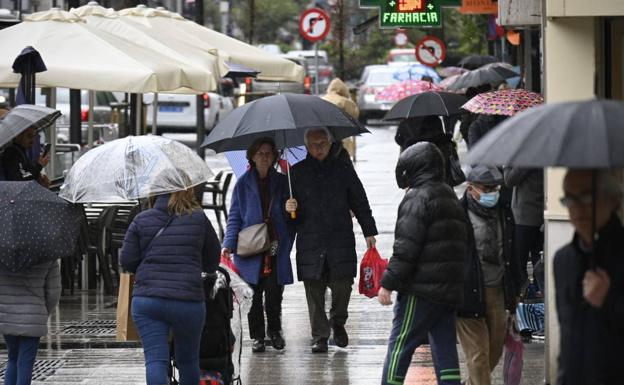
column 268, row 16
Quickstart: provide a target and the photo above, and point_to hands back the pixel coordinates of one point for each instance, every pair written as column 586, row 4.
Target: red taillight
column 84, row 115
column 248, row 84
column 326, row 73
column 307, row 84
column 206, row 100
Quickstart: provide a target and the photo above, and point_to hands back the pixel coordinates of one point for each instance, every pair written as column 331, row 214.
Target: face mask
column 489, row 200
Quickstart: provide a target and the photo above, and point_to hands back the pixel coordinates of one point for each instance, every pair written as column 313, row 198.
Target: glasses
column 580, row 199
column 319, row 146
column 487, row 189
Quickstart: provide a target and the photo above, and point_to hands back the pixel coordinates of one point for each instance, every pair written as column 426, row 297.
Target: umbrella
column 476, row 61
column 446, row 83
column 240, row 71
column 426, row 103
column 486, row 75
column 79, row 56
column 132, row 168
column 284, row 118
column 23, row 117
column 451, row 71
column 416, row 72
column 239, row 162
column 37, row 226
column 398, row 91
column 27, row 63
column 586, row 134
column 503, row 102
column 231, row 50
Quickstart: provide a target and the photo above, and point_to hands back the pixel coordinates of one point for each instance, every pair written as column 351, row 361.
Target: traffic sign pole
column 316, row 78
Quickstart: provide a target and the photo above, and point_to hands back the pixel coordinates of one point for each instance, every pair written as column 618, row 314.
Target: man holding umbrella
column 325, row 188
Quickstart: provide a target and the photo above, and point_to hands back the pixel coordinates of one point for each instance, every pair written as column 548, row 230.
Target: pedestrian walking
column 259, row 196
column 27, row 298
column 326, row 190
column 426, row 268
column 492, row 278
column 527, row 204
column 168, row 247
column 589, row 281
column 17, row 166
column 338, row 94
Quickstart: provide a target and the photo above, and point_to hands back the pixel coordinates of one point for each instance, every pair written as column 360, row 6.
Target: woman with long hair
column 259, row 196
column 168, row 247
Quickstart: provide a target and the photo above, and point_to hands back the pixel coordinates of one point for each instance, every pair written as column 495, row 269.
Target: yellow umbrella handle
column 293, row 215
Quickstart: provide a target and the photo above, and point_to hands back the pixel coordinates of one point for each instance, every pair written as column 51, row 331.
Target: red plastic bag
column 513, row 354
column 229, row 263
column 371, row 271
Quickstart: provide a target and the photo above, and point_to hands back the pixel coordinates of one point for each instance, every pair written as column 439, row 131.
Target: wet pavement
column 81, row 348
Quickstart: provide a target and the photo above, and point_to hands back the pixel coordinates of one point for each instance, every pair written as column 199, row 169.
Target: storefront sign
column 406, row 13
column 479, row 6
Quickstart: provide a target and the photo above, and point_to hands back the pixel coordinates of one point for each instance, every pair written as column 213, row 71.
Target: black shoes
column 258, row 346
column 341, row 338
column 277, row 341
column 320, row 346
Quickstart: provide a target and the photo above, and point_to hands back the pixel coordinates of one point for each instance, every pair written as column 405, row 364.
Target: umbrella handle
column 293, row 215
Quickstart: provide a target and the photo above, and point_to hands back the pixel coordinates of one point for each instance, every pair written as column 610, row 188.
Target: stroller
column 217, row 340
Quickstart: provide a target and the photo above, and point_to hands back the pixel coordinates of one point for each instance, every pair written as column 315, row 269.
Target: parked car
column 178, row 112
column 325, row 70
column 101, row 111
column 375, row 79
column 402, row 56
column 259, row 88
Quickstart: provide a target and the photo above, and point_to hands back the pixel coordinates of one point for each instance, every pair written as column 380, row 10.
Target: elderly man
column 16, row 164
column 589, row 281
column 326, row 188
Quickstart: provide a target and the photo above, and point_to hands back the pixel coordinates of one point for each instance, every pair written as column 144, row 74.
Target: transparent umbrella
column 134, row 167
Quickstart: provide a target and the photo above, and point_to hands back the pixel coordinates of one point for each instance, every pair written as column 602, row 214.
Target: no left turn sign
column 430, row 51
column 314, row 24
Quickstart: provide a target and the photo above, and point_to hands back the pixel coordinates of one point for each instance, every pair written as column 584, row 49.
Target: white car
column 177, row 112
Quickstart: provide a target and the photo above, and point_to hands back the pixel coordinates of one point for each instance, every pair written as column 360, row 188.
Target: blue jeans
column 154, row 317
column 22, row 353
column 415, row 319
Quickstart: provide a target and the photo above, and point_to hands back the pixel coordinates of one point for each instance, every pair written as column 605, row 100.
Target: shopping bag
column 229, row 264
column 126, row 331
column 371, row 271
column 513, row 354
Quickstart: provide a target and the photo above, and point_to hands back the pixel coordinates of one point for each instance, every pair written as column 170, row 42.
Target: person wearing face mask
column 492, row 279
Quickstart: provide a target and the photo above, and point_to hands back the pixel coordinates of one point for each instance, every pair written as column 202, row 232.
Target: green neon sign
column 406, row 13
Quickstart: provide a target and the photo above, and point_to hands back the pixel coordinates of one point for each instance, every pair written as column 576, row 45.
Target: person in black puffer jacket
column 426, row 268
column 168, row 247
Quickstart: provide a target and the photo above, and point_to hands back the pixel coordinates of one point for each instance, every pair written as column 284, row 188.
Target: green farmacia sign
column 406, row 13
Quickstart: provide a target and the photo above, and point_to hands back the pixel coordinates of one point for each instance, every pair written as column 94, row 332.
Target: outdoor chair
column 219, row 192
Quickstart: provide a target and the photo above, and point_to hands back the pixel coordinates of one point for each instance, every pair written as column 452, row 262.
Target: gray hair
column 609, row 183
column 328, row 134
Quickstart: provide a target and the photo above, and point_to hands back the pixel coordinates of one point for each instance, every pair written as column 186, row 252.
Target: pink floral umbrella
column 503, row 102
column 398, row 91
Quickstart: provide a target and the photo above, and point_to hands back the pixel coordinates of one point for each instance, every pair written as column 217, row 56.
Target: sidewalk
column 81, row 347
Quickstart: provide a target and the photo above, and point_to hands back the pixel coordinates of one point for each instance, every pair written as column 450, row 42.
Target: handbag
column 254, row 239
column 457, row 174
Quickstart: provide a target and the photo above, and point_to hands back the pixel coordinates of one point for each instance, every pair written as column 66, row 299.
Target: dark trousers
column 154, row 317
column 529, row 242
column 272, row 307
column 414, row 320
column 338, row 314
column 22, row 352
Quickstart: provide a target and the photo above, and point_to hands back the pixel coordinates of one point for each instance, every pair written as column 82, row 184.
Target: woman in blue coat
column 260, row 195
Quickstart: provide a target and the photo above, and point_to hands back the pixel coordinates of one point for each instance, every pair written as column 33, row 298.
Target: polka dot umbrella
column 37, row 226
column 398, row 91
column 503, row 102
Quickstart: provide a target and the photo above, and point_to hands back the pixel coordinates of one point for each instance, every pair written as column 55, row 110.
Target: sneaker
column 277, row 341
column 320, row 346
column 258, row 346
column 341, row 338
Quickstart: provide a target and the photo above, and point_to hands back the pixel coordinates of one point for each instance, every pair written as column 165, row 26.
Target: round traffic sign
column 400, row 39
column 430, row 51
column 314, row 24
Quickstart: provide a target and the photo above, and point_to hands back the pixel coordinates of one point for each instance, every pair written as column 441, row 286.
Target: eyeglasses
column 319, row 146
column 580, row 199
column 487, row 189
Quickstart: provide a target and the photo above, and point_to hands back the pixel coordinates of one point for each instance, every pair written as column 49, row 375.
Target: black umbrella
column 37, row 226
column 284, row 118
column 476, row 61
column 427, row 103
column 587, row 134
column 240, row 71
column 27, row 63
column 485, row 75
column 23, row 117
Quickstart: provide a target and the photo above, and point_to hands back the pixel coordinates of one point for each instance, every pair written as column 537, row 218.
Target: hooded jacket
column 338, row 94
column 430, row 243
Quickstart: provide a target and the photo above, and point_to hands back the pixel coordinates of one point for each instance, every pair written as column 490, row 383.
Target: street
column 80, row 347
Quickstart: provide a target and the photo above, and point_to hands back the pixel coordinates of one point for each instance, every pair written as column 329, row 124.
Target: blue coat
column 246, row 210
column 171, row 267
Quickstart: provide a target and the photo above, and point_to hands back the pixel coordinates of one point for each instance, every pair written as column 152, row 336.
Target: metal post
column 316, row 77
column 90, row 138
column 201, row 125
column 139, row 114
column 75, row 129
column 51, row 136
column 155, row 114
column 224, row 9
